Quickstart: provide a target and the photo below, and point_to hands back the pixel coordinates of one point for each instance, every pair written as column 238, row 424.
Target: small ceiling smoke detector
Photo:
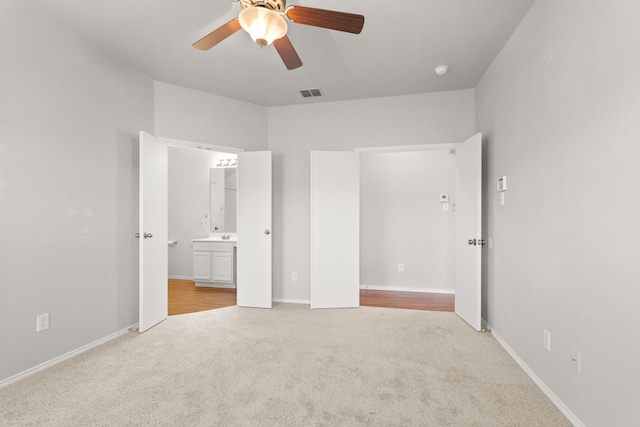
column 441, row 70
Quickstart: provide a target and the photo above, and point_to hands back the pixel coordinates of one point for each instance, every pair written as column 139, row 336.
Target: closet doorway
column 455, row 223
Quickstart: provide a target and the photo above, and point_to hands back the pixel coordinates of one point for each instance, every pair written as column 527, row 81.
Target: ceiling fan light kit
column 263, row 25
column 265, row 21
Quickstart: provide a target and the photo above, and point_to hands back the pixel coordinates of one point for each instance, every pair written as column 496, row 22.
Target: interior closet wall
column 402, row 221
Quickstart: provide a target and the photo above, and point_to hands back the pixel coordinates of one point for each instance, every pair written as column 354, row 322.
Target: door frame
column 200, row 145
column 405, row 148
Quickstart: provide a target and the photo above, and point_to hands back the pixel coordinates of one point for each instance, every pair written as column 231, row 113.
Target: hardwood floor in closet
column 409, row 300
column 186, row 297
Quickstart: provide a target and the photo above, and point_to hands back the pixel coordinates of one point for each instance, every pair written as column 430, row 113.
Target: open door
column 468, row 231
column 254, row 230
column 153, row 233
column 335, row 229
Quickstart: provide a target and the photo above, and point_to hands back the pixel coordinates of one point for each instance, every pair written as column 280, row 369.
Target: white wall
column 444, row 117
column 69, row 120
column 191, row 115
column 402, row 221
column 559, row 109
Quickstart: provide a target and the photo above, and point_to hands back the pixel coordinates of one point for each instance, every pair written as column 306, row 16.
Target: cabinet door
column 223, row 267
column 202, row 266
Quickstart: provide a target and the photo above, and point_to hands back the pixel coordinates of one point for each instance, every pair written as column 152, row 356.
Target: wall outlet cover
column 42, row 322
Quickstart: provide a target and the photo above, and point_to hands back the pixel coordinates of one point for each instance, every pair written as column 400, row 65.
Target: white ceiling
column 395, row 54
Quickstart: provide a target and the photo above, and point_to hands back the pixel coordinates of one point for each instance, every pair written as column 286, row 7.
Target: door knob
column 147, row 235
column 138, row 235
column 267, row 232
column 472, row 242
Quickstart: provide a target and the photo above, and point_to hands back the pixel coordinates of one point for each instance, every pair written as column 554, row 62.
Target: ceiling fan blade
column 340, row 21
column 287, row 53
column 217, row 35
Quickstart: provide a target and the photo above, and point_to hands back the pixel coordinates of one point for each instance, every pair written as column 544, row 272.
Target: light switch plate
column 502, row 183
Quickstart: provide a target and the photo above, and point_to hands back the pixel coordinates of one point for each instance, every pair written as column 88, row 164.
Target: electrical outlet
column 575, row 360
column 294, row 277
column 546, row 339
column 42, row 322
column 400, row 267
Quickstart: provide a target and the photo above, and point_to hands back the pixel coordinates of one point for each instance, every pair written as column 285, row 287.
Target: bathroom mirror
column 223, row 189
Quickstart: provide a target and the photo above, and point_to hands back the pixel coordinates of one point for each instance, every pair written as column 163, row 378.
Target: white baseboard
column 181, row 277
column 406, row 289
column 215, row 285
column 41, row 367
column 541, row 385
column 292, row 300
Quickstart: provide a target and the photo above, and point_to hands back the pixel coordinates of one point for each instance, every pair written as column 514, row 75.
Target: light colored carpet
column 289, row 366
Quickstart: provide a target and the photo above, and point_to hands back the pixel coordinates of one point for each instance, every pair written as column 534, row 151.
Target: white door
column 335, row 229
column 254, row 229
column 153, row 233
column 468, row 229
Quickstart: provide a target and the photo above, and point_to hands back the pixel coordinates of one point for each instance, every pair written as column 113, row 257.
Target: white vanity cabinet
column 213, row 263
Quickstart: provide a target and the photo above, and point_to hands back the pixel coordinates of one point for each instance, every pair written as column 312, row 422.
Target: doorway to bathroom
column 252, row 268
column 198, row 205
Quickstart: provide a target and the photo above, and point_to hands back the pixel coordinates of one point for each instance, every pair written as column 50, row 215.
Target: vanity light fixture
column 226, row 163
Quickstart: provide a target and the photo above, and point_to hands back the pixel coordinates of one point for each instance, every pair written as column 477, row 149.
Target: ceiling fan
column 265, row 21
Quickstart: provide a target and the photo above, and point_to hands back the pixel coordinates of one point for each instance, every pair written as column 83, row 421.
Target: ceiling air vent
column 310, row 93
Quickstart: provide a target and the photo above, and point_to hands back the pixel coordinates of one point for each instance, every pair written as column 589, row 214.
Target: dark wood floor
column 185, row 297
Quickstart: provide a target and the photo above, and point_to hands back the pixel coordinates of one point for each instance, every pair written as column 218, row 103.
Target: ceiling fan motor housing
column 276, row 5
